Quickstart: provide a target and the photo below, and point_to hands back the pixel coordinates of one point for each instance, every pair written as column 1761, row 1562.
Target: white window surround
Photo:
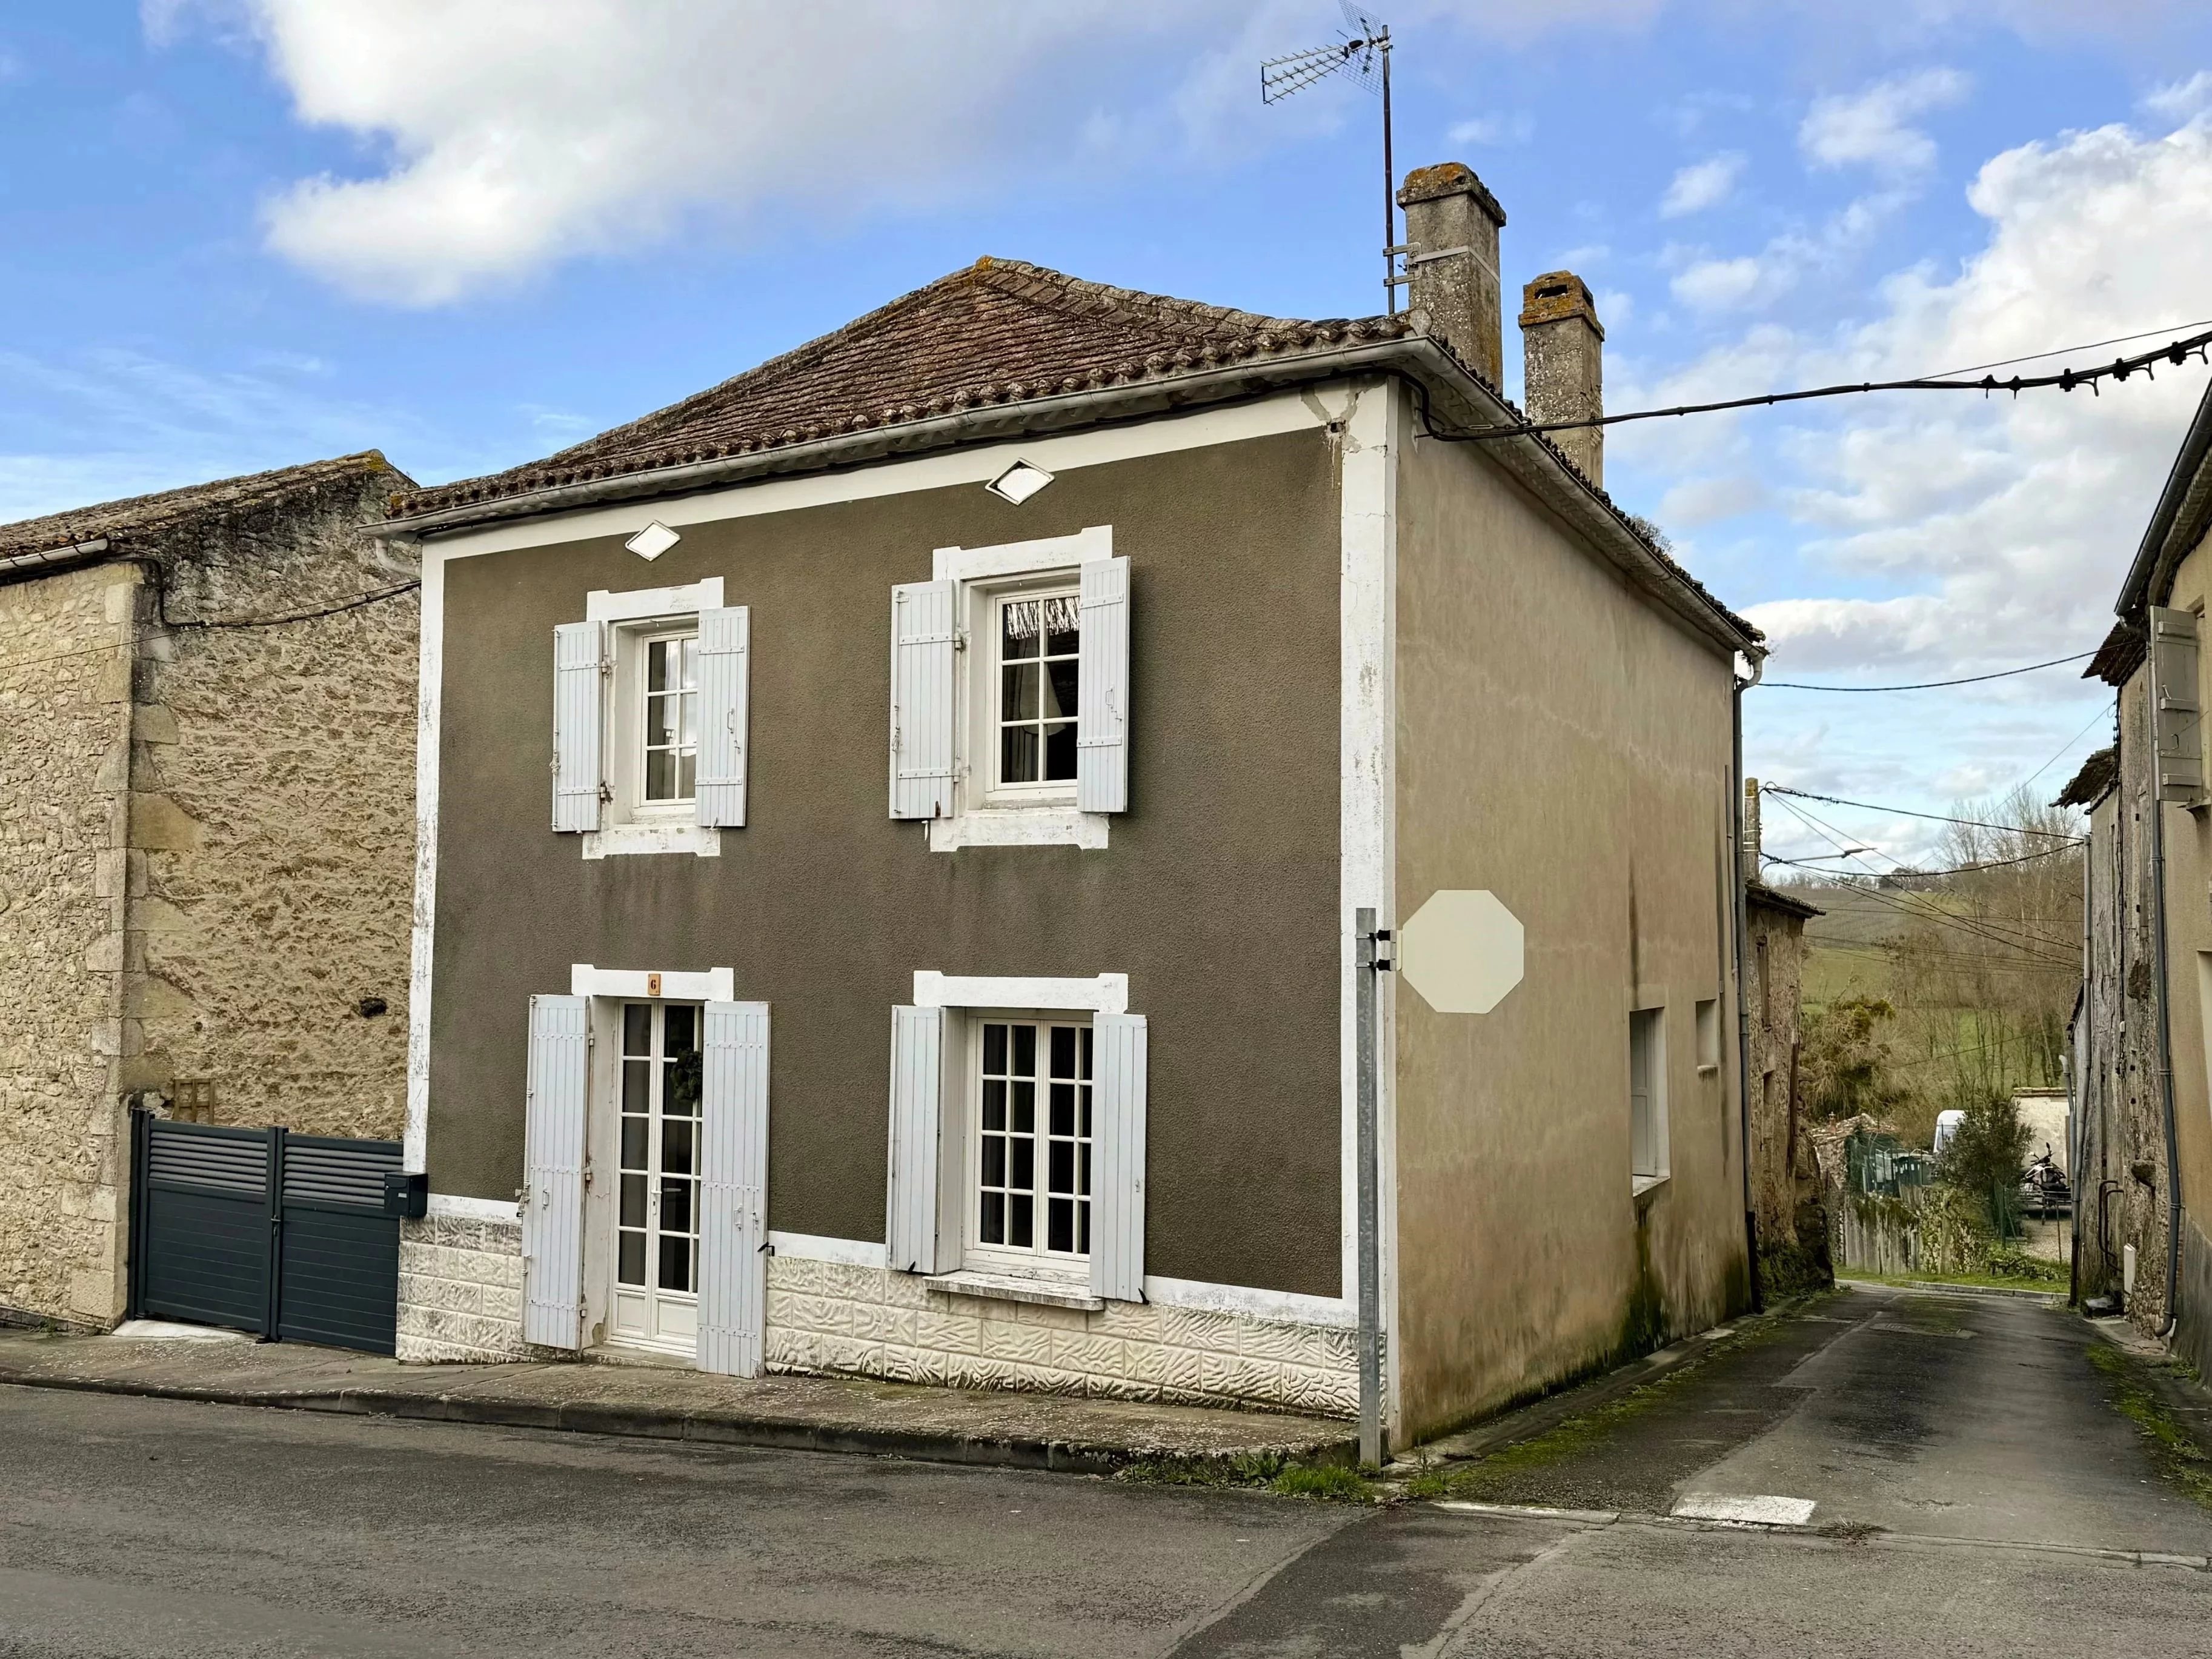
column 714, row 985
column 1103, row 993
column 652, row 829
column 978, row 820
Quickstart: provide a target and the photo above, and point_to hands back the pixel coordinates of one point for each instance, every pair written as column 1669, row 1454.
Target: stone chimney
column 1754, row 842
column 1563, row 348
column 1451, row 225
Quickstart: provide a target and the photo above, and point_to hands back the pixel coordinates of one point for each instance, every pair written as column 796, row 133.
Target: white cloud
column 1493, row 130
column 1702, row 184
column 1870, row 128
column 1722, row 285
column 2183, row 99
column 1697, row 502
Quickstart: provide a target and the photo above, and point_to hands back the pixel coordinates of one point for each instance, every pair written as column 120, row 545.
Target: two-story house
column 891, row 828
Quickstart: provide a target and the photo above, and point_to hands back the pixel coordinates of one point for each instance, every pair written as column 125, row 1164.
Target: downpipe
column 1742, row 1006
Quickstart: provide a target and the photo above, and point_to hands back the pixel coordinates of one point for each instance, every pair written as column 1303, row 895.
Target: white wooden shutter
column 733, row 1188
column 553, row 1172
column 579, row 652
column 1117, row 1157
column 725, row 696
column 1102, row 700
column 917, row 1090
column 2179, row 717
column 925, row 629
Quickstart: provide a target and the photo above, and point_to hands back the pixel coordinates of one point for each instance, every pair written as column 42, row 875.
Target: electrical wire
column 1934, row 817
column 1927, row 685
column 2086, row 345
column 2177, row 351
column 1955, row 870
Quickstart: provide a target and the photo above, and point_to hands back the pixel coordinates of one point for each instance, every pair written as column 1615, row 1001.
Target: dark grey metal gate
column 264, row 1230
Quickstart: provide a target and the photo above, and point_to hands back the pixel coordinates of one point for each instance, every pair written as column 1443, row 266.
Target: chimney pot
column 1563, row 365
column 1452, row 223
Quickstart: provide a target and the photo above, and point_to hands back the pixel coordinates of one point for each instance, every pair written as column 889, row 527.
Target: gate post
column 276, row 1134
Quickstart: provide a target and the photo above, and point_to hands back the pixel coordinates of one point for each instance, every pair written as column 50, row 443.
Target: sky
column 243, row 234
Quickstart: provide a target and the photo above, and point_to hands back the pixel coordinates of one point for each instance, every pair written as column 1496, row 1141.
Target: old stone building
column 206, row 842
column 1786, row 1192
column 2142, row 1162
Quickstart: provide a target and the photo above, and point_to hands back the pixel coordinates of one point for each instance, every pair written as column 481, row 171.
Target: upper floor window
column 670, row 749
column 1040, row 645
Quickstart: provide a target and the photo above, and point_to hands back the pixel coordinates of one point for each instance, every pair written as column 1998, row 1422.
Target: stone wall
column 274, row 804
column 65, row 648
column 1786, row 1191
column 460, row 1290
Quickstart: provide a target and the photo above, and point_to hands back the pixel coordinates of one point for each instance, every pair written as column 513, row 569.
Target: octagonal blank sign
column 1461, row 951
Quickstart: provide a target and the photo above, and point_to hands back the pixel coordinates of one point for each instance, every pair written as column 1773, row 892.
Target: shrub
column 1987, row 1157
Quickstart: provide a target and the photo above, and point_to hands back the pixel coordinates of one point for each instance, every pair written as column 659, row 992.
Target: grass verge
column 1251, row 1471
column 2173, row 1450
column 2031, row 1280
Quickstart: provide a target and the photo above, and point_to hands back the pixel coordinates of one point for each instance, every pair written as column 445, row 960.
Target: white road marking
column 1768, row 1512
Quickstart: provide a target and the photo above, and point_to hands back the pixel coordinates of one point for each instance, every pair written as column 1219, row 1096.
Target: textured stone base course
column 813, row 1414
column 461, row 1301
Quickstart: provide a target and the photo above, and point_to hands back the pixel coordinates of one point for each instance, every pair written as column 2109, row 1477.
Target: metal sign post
column 1370, row 1186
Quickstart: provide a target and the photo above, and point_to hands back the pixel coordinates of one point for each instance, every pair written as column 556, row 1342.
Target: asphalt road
column 2015, row 1501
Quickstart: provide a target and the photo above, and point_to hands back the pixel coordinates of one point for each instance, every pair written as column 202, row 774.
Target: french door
column 655, row 1300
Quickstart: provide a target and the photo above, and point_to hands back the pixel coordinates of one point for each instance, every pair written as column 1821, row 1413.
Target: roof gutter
column 2179, row 520
column 16, row 564
column 1454, row 390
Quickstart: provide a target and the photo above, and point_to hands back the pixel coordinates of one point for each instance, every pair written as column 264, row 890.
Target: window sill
column 1020, row 826
column 621, row 839
column 1005, row 1287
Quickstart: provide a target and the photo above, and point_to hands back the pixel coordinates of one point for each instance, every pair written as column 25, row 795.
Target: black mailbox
column 406, row 1195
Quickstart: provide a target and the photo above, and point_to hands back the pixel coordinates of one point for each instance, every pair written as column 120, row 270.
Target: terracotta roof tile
column 141, row 517
column 999, row 331
column 2098, row 772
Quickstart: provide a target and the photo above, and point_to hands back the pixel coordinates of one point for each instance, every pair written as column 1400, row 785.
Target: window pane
column 994, row 1105
column 675, row 1264
column 994, row 1050
column 1021, row 628
column 1019, row 1232
column 1063, row 1051
column 661, row 775
column 632, row 1270
column 633, row 1200
column 1022, row 1177
column 1024, row 1108
column 994, row 1161
column 1062, row 1121
column 688, row 651
column 637, row 1028
column 1082, row 1170
column 1060, row 1167
column 676, row 1206
column 1025, row 1051
column 676, row 1148
column 657, row 664
column 993, row 1228
column 1060, row 752
column 682, row 1030
column 1018, row 752
column 1086, row 1052
column 1060, row 690
column 1083, row 1111
column 687, row 722
column 1059, row 1224
column 637, row 1085
column 1017, row 691
column 661, row 714
column 680, row 1087
column 1062, row 625
column 687, row 775
column 1083, row 1227
column 632, row 1138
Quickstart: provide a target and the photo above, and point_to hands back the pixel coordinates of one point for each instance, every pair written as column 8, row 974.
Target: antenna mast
column 1362, row 51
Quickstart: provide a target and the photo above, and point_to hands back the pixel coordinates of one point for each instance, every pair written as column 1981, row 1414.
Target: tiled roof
column 999, row 331
column 1774, row 898
column 2119, row 656
column 140, row 518
column 2098, row 774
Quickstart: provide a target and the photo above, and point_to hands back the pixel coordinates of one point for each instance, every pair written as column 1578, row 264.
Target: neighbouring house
column 1788, row 1195
column 206, row 843
column 2142, row 1123
column 892, row 825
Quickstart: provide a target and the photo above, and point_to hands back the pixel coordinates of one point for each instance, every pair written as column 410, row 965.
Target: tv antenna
column 1362, row 51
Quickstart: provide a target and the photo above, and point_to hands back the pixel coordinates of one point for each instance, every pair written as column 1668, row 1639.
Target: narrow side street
column 1972, row 1491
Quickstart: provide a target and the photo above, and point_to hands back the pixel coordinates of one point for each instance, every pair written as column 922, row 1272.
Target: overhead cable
column 1907, row 812
column 1927, row 686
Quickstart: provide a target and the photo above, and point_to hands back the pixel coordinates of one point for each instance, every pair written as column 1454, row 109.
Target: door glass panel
column 656, row 1249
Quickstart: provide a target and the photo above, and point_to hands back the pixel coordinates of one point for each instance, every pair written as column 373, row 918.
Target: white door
column 655, row 1299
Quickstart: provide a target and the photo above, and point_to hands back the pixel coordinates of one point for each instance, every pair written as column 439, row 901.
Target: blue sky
column 246, row 233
